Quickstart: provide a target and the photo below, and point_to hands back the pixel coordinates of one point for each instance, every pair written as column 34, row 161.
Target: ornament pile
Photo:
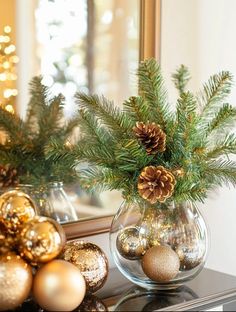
column 32, row 259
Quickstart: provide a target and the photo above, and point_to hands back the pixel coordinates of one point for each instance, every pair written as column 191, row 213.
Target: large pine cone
column 156, row 184
column 8, row 176
column 151, row 136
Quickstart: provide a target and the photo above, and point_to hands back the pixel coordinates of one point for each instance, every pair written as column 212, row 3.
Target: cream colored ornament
column 15, row 281
column 59, row 286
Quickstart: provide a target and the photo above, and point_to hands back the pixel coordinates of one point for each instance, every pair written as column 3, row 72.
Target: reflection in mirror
column 87, row 45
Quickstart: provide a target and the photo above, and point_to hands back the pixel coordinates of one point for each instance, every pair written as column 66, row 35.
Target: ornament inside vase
column 161, row 246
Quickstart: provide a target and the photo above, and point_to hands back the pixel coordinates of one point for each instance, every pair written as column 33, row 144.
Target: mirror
column 88, row 45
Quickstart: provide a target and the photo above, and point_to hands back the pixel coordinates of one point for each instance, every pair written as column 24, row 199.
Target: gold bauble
column 90, row 260
column 59, row 286
column 161, row 263
column 190, row 255
column 7, row 241
column 92, row 303
column 16, row 208
column 15, row 281
column 131, row 244
column 41, row 240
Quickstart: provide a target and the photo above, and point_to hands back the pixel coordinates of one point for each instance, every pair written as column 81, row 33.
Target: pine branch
column 224, row 147
column 138, row 109
column 151, row 87
column 221, row 172
column 180, row 78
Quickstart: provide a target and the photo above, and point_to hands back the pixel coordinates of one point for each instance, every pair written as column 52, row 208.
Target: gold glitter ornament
column 131, row 244
column 41, row 240
column 16, row 208
column 92, row 303
column 90, row 260
column 15, row 281
column 161, row 263
column 59, row 286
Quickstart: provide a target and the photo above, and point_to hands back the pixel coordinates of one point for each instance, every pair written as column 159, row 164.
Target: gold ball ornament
column 92, row 303
column 90, row 260
column 41, row 240
column 161, row 263
column 16, row 208
column 131, row 244
column 59, row 286
column 190, row 255
column 15, row 281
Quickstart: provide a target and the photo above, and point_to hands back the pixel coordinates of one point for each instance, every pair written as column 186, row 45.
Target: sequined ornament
column 92, row 303
column 156, row 184
column 15, row 281
column 131, row 244
column 41, row 240
column 151, row 136
column 161, row 263
column 16, row 208
column 7, row 241
column 90, row 260
column 59, row 286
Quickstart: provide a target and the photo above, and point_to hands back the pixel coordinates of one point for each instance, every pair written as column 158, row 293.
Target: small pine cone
column 156, row 184
column 8, row 176
column 151, row 136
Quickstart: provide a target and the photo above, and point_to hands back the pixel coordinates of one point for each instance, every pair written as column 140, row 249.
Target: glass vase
column 52, row 201
column 138, row 227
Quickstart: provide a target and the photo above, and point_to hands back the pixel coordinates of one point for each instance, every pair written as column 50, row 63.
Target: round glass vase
column 137, row 227
column 51, row 200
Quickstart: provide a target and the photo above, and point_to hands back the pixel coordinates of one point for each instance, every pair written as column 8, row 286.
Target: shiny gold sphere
column 41, row 240
column 161, row 263
column 59, row 286
column 90, row 260
column 15, row 281
column 16, row 208
column 92, row 303
column 131, row 244
column 190, row 255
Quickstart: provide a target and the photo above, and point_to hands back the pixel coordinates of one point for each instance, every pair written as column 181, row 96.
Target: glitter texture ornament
column 161, row 263
column 59, row 286
column 131, row 244
column 41, row 240
column 15, row 281
column 90, row 260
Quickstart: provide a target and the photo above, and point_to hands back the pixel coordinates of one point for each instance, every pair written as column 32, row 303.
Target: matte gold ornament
column 59, row 286
column 90, row 260
column 156, row 184
column 41, row 240
column 151, row 136
column 92, row 303
column 16, row 208
column 131, row 244
column 15, row 281
column 161, row 263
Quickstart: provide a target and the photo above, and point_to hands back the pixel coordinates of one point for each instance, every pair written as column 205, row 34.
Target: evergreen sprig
column 27, row 144
column 116, row 156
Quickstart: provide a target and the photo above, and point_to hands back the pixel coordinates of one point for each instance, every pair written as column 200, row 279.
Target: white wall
column 202, row 35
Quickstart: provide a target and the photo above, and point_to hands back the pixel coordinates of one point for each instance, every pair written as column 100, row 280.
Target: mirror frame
column 149, row 46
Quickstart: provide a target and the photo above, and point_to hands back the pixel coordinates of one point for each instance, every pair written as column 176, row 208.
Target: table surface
column 210, row 289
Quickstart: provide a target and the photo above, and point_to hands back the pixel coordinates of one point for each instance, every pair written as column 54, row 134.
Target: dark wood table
column 210, row 290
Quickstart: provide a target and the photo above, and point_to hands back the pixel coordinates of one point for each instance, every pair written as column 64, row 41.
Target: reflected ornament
column 7, row 241
column 41, row 240
column 59, row 286
column 131, row 244
column 90, row 260
column 92, row 303
column 15, row 281
column 16, row 208
column 161, row 263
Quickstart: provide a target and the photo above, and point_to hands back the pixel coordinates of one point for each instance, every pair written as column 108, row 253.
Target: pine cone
column 156, row 184
column 8, row 176
column 151, row 136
